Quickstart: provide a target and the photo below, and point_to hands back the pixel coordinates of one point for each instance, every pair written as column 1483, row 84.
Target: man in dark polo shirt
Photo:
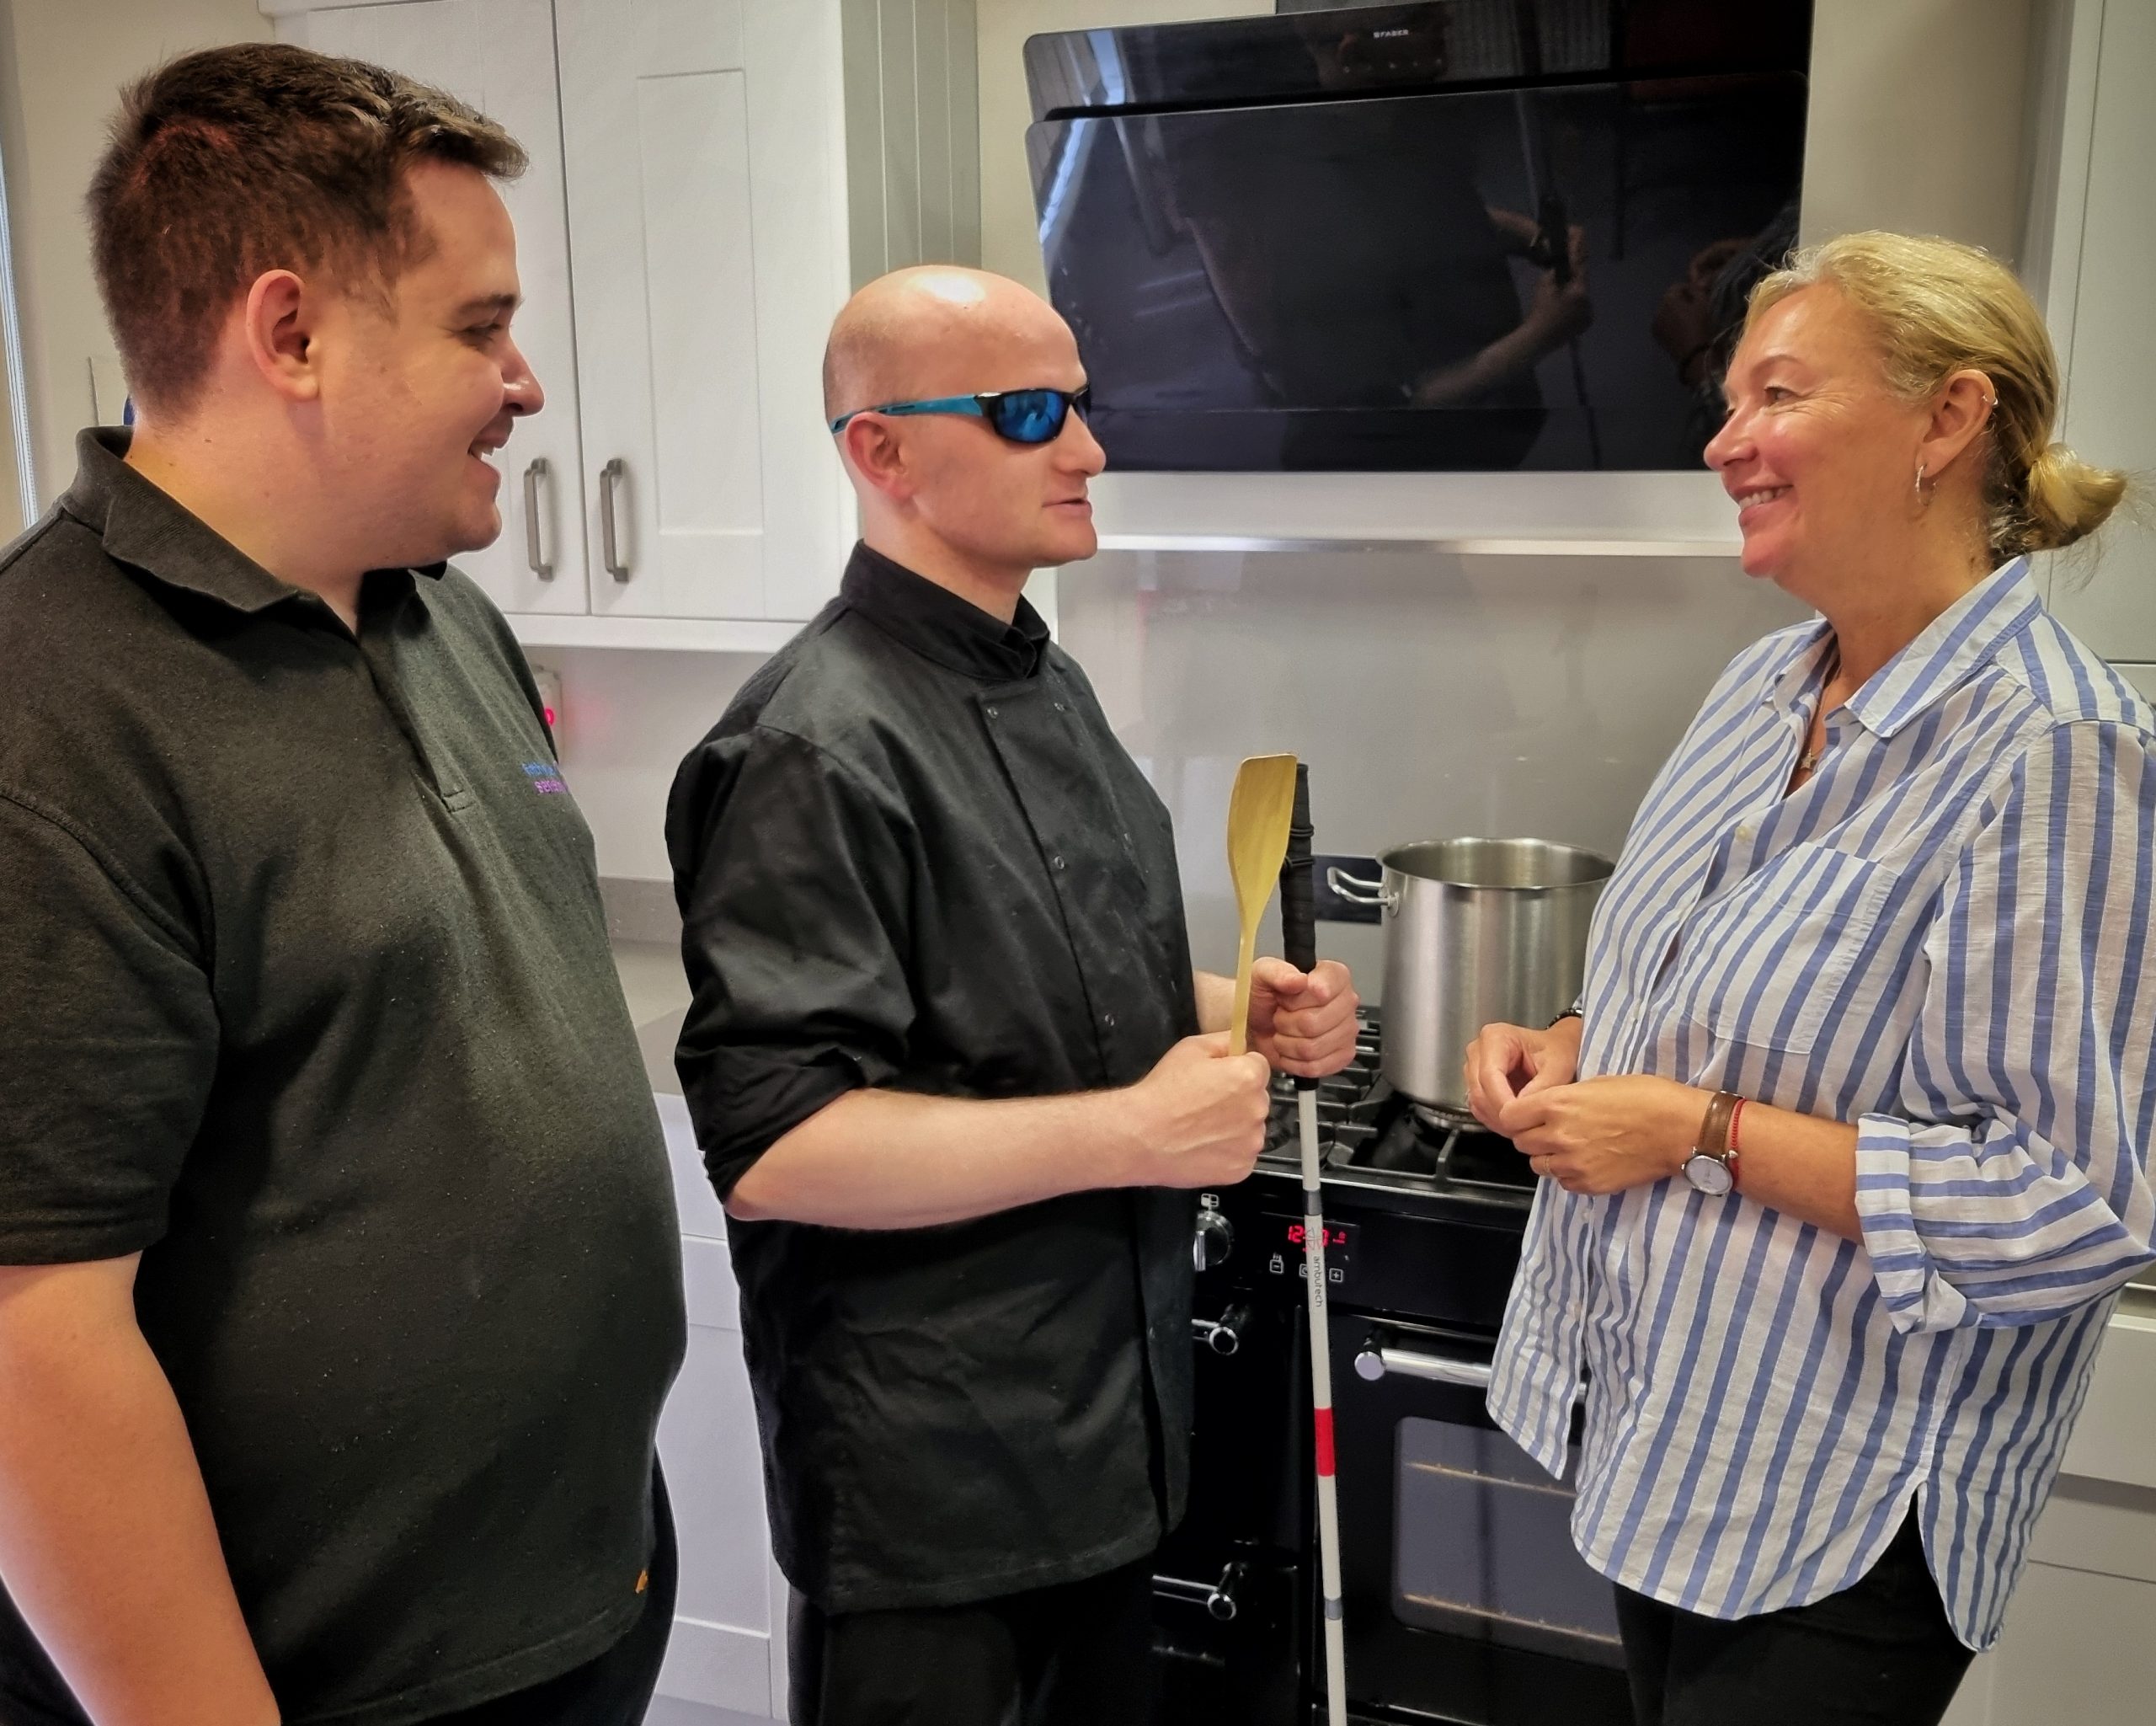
column 945, row 1063
column 339, row 1285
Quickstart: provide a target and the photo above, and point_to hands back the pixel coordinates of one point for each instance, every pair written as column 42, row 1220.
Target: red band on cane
column 1324, row 1441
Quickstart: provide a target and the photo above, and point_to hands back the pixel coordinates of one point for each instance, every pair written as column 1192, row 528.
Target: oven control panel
column 1279, row 1249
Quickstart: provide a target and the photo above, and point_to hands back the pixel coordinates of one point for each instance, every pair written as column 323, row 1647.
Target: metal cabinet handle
column 614, row 470
column 1356, row 891
column 534, row 472
column 1374, row 1362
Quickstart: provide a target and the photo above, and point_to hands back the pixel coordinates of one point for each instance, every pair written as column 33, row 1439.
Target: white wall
column 1431, row 695
column 61, row 65
column 627, row 719
column 1917, row 120
column 2102, row 277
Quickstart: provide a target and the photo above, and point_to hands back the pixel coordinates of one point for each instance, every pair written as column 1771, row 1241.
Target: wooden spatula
column 1259, row 810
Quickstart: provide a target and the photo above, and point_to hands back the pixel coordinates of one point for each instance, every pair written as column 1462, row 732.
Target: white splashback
column 627, row 719
column 1431, row 695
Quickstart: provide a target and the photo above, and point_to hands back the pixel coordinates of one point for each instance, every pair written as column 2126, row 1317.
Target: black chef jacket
column 913, row 856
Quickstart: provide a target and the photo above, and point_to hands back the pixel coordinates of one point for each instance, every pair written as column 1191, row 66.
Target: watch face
column 1709, row 1174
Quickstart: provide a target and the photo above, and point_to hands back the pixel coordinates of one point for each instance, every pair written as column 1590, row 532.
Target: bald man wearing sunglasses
column 951, row 1069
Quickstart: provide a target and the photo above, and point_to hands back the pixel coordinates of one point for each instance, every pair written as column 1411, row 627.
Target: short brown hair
column 230, row 161
column 1938, row 307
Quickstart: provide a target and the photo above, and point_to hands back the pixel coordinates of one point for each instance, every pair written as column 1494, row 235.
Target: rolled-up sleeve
column 2020, row 1190
column 792, row 876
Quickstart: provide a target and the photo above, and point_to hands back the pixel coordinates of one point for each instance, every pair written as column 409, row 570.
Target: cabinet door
column 704, row 144
column 725, row 1649
column 499, row 56
column 720, row 1654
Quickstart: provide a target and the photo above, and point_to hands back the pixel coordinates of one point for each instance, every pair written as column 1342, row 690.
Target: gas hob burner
column 1451, row 1152
column 1364, row 1125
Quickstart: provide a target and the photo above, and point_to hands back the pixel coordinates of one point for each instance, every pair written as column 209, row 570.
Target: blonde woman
column 1846, row 1159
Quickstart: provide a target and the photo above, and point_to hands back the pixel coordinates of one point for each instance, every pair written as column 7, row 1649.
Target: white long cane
column 1298, row 947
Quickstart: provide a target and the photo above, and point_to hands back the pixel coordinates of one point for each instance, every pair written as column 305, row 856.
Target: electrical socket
column 549, row 681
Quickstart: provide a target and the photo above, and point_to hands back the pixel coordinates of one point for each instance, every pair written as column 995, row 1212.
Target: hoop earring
column 1922, row 501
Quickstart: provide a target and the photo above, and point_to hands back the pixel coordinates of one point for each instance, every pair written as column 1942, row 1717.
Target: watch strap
column 1717, row 1139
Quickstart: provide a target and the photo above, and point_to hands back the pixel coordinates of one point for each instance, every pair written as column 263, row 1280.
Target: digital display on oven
column 1282, row 1247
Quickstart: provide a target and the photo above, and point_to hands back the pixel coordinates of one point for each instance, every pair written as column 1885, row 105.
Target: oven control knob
column 1225, row 1337
column 1221, row 1601
column 1212, row 1243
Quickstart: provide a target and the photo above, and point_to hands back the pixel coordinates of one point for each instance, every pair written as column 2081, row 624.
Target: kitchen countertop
column 658, row 995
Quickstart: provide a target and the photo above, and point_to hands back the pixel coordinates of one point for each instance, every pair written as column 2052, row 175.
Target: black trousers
column 615, row 1689
column 1880, row 1653
column 1078, row 1655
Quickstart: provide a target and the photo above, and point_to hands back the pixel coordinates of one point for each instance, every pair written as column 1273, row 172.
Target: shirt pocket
column 1778, row 959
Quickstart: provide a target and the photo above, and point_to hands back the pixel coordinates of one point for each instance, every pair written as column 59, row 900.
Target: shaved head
column 944, row 492
column 937, row 329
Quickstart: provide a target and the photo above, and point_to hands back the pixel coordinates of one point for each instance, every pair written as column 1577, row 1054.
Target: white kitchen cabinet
column 498, row 55
column 705, row 145
column 729, row 1646
column 728, row 1615
column 2077, row 1646
column 709, row 179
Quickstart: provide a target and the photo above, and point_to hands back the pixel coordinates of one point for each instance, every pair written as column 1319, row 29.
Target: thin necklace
column 1807, row 761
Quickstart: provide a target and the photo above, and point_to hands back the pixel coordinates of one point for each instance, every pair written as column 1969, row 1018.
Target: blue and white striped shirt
column 1942, row 937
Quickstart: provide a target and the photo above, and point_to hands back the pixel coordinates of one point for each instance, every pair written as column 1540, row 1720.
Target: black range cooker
column 1466, row 1600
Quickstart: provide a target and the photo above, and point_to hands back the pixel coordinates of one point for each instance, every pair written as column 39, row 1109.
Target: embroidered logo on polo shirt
column 545, row 777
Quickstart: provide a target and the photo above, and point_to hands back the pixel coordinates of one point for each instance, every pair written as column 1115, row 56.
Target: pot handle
column 1356, row 891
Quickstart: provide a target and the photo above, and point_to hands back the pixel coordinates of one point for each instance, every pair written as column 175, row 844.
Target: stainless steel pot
column 1476, row 931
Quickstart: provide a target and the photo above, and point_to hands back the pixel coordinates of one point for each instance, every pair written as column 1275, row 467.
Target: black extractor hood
column 1458, row 234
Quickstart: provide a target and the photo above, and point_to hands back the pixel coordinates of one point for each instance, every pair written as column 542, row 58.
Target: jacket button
column 991, row 713
column 1059, row 862
column 1059, row 707
column 1108, row 1019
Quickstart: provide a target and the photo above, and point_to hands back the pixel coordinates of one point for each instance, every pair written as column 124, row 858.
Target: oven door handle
column 1380, row 1360
column 1377, row 1362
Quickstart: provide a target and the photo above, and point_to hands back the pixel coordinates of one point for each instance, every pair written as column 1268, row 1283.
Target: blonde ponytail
column 2063, row 498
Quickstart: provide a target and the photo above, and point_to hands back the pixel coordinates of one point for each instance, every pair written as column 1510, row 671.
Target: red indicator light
column 1298, row 1234
column 550, row 717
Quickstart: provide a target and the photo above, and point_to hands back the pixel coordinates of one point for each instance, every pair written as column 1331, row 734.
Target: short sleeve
column 108, row 1048
column 792, row 875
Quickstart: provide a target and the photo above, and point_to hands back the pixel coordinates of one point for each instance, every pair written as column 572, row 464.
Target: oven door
column 1465, row 1600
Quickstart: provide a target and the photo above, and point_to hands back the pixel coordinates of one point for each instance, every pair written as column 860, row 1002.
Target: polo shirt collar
column 938, row 624
column 151, row 530
column 1952, row 647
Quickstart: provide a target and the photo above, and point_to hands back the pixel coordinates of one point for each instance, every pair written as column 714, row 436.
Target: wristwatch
column 1712, row 1167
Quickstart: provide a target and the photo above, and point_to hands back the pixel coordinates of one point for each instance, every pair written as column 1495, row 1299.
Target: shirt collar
column 938, row 624
column 151, row 530
column 1963, row 638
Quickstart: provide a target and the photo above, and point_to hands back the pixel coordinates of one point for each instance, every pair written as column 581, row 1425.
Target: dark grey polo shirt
column 913, row 855
column 308, row 1000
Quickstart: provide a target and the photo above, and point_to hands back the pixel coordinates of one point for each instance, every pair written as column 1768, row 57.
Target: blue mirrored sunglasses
column 1021, row 415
